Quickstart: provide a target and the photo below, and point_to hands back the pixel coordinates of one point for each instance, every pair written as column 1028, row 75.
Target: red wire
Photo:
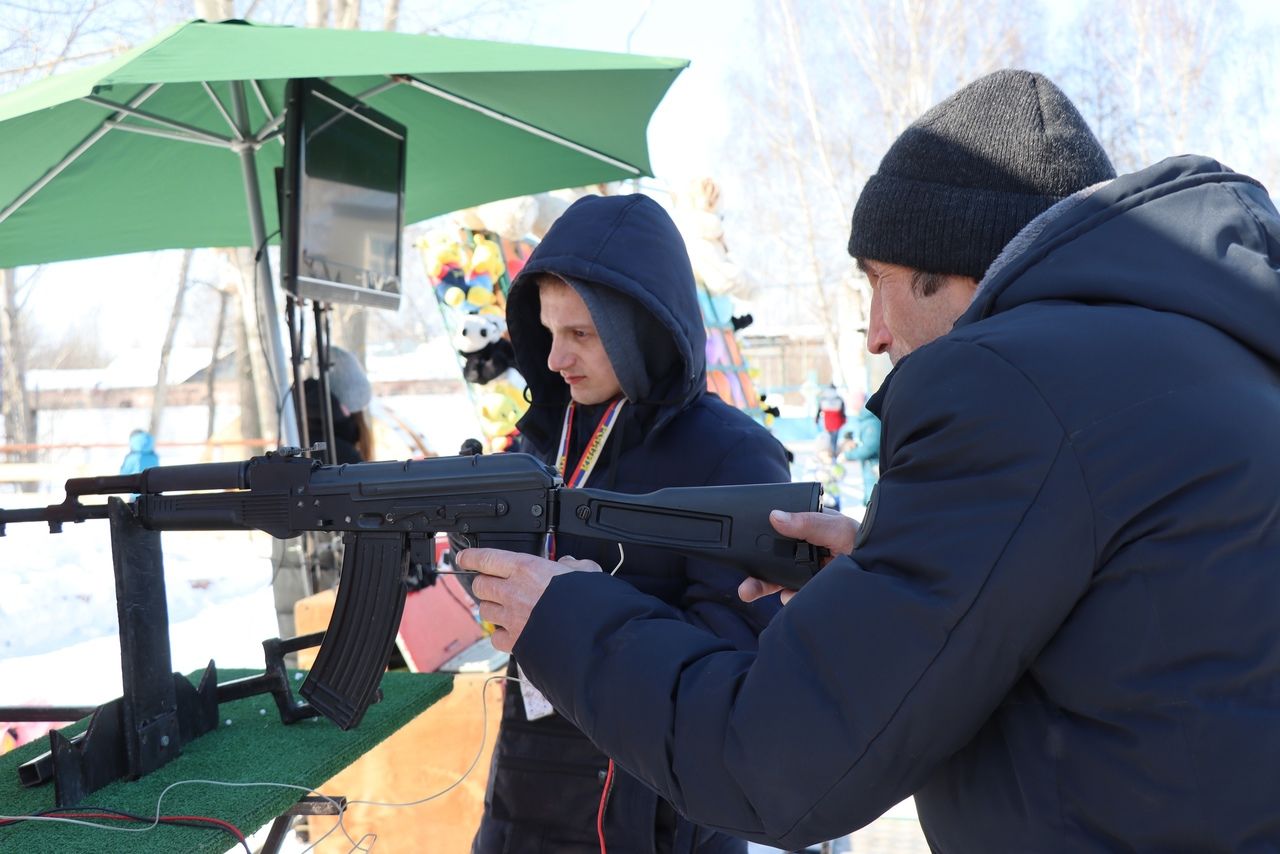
column 604, row 799
column 231, row 828
column 165, row 819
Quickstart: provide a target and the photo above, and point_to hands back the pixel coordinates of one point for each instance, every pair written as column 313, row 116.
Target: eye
column 580, row 333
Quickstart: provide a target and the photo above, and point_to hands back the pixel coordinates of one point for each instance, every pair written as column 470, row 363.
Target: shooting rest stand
column 160, row 710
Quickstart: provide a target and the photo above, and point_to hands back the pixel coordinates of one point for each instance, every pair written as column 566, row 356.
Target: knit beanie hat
column 965, row 177
column 347, row 380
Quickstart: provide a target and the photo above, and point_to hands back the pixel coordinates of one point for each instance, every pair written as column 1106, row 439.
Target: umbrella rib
column 276, row 133
column 516, row 123
column 377, row 90
column 152, row 117
column 268, row 130
column 173, row 134
column 98, row 133
column 217, row 103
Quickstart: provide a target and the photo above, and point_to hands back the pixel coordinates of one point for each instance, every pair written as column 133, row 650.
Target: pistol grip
column 362, row 630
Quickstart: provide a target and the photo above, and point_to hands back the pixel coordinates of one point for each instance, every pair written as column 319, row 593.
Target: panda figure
column 487, row 353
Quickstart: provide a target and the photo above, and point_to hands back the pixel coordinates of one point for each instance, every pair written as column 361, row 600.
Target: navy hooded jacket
column 547, row 778
column 1060, row 626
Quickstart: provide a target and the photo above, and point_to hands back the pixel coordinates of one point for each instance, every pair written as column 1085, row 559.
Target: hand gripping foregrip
column 362, row 630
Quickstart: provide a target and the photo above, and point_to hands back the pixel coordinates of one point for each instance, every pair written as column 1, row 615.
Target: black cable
column 212, row 824
column 262, row 342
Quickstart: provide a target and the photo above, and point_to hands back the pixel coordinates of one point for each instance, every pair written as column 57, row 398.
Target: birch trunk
column 162, row 373
column 17, row 418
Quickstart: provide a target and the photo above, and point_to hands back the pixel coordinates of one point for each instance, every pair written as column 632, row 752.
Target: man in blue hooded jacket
column 606, row 329
column 1059, row 625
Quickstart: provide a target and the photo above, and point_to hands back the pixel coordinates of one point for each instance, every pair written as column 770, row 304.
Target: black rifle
column 390, row 512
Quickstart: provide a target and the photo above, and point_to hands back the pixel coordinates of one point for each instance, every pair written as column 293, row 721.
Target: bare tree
column 825, row 94
column 162, row 372
column 224, row 297
column 1151, row 75
column 36, row 51
column 255, row 370
column 18, row 427
column 72, row 345
column 317, row 13
column 215, row 10
column 346, row 14
column 252, row 416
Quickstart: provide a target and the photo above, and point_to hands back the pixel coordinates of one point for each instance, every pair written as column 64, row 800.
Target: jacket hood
column 624, row 245
column 141, row 441
column 1209, row 243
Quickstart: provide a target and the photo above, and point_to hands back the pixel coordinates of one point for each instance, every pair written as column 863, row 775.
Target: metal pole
column 265, row 286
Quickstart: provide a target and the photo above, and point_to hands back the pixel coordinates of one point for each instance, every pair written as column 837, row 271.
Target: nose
column 879, row 338
column 559, row 358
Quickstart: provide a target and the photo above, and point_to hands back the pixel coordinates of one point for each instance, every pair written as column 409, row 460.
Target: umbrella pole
column 289, row 434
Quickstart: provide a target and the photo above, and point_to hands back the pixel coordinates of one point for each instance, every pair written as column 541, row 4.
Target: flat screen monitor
column 342, row 198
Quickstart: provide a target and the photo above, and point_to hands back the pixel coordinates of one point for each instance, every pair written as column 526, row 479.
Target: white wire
column 339, row 808
column 336, row 806
column 484, row 738
column 371, row 836
column 621, row 557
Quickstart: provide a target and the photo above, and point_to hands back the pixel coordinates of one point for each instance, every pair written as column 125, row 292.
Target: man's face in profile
column 902, row 316
column 577, row 353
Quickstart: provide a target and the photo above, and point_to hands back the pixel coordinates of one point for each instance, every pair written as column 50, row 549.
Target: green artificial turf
column 253, row 747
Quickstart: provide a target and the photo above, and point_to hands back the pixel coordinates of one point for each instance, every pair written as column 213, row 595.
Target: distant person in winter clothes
column 1059, row 625
column 606, row 329
column 831, row 417
column 142, row 453
column 350, row 395
column 864, row 446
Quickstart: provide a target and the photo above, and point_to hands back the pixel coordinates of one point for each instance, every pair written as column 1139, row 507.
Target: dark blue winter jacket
column 547, row 778
column 1060, row 627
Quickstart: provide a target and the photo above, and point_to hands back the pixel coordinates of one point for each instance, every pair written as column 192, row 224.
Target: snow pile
column 58, row 623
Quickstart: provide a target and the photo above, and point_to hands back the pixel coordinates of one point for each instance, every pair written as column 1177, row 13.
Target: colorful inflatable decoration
column 728, row 374
column 470, row 272
column 500, row 407
column 720, row 280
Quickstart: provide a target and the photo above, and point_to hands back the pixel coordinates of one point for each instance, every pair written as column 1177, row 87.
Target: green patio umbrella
column 174, row 144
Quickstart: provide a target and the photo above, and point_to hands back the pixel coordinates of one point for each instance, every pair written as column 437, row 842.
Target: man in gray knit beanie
column 954, row 189
column 1055, row 626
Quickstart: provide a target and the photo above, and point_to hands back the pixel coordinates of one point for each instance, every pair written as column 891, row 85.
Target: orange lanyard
column 590, row 454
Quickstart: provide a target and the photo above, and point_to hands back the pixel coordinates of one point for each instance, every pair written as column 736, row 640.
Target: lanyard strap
column 590, row 455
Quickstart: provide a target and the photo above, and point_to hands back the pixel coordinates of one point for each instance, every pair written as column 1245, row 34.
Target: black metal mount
column 159, row 711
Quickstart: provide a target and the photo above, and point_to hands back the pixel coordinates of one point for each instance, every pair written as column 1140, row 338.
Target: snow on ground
column 59, row 641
